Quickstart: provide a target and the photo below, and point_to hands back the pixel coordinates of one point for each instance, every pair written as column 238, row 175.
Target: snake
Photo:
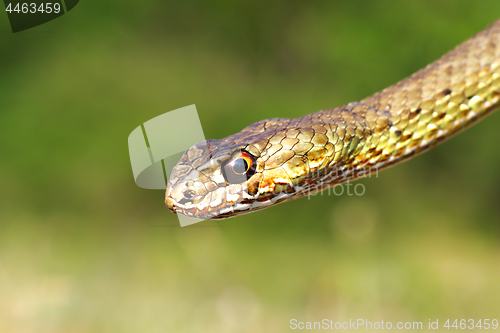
column 281, row 159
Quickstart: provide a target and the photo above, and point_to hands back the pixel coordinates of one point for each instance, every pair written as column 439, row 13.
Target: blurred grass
column 82, row 249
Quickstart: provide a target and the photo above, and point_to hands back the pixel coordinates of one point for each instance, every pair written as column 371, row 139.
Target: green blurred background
column 83, row 249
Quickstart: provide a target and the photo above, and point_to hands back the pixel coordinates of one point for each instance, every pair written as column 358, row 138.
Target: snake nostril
column 188, row 194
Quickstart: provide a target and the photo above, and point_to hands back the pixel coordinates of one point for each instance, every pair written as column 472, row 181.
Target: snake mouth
column 206, row 214
column 212, row 215
column 220, row 213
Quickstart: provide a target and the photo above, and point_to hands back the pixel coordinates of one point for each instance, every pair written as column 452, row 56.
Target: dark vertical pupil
column 240, row 166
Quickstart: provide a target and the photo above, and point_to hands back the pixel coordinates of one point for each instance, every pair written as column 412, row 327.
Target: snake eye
column 239, row 168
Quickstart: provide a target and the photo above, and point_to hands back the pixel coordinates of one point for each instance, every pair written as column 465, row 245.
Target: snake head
column 213, row 180
column 217, row 179
column 271, row 161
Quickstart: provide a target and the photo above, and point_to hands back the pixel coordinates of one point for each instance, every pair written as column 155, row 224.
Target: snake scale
column 277, row 160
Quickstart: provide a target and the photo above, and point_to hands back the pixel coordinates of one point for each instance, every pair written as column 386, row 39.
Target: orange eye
column 241, row 164
column 240, row 168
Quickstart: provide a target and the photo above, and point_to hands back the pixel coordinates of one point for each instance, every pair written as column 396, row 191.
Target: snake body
column 277, row 160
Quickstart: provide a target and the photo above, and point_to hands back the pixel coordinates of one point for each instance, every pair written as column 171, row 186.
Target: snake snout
column 184, row 195
column 169, row 201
